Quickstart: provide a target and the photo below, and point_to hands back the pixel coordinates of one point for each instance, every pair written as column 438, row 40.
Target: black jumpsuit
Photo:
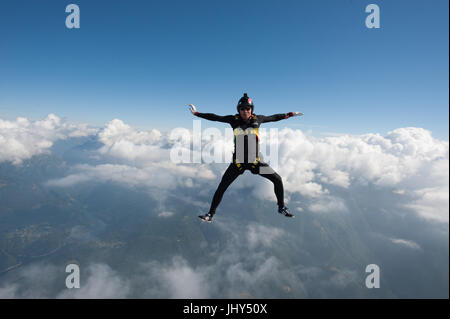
column 246, row 155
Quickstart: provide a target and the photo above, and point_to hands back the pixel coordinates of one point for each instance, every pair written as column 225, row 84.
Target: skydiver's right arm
column 215, row 117
column 211, row 116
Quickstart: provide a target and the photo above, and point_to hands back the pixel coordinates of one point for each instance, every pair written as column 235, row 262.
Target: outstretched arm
column 211, row 116
column 278, row 117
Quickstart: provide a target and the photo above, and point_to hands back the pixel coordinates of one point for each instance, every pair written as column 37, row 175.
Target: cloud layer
column 409, row 161
column 240, row 267
column 22, row 138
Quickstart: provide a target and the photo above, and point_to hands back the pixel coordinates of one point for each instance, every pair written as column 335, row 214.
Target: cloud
column 251, row 258
column 248, row 267
column 328, row 204
column 384, row 161
column 161, row 175
column 122, row 141
column 262, row 235
column 406, row 243
column 238, row 267
column 431, row 203
column 34, row 281
column 144, row 160
column 165, row 214
column 176, row 279
column 9, row 292
column 101, row 283
column 246, row 270
column 116, row 131
column 408, row 161
column 42, row 280
column 21, row 139
column 343, row 278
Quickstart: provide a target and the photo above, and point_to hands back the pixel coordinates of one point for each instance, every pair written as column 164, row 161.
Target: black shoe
column 206, row 218
column 285, row 211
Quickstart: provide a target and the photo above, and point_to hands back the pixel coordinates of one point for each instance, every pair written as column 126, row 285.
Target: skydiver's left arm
column 278, row 117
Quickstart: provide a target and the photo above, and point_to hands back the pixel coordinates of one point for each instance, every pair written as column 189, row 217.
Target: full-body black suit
column 245, row 156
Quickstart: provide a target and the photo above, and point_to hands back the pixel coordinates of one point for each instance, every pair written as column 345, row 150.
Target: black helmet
column 245, row 101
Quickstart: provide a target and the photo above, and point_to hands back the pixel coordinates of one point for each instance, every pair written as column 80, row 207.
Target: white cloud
column 101, row 283
column 343, row 278
column 244, row 277
column 328, row 204
column 22, row 138
column 246, row 264
column 116, row 131
column 9, row 291
column 407, row 243
column 69, row 180
column 39, row 281
column 384, row 161
column 124, row 142
column 242, row 262
column 406, row 160
column 262, row 235
column 166, row 214
column 176, row 279
column 144, row 160
column 432, row 203
column 36, row 281
column 161, row 175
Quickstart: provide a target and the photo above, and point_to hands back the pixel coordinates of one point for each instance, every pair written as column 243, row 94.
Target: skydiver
column 245, row 126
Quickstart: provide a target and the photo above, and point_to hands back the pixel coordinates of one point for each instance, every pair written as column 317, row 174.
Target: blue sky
column 144, row 61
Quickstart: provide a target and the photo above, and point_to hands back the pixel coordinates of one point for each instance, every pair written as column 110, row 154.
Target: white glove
column 193, row 109
column 297, row 113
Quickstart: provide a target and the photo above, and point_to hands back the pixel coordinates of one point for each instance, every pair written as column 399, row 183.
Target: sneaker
column 206, row 218
column 285, row 211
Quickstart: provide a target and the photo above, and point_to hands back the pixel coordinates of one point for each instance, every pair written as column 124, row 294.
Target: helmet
column 245, row 101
